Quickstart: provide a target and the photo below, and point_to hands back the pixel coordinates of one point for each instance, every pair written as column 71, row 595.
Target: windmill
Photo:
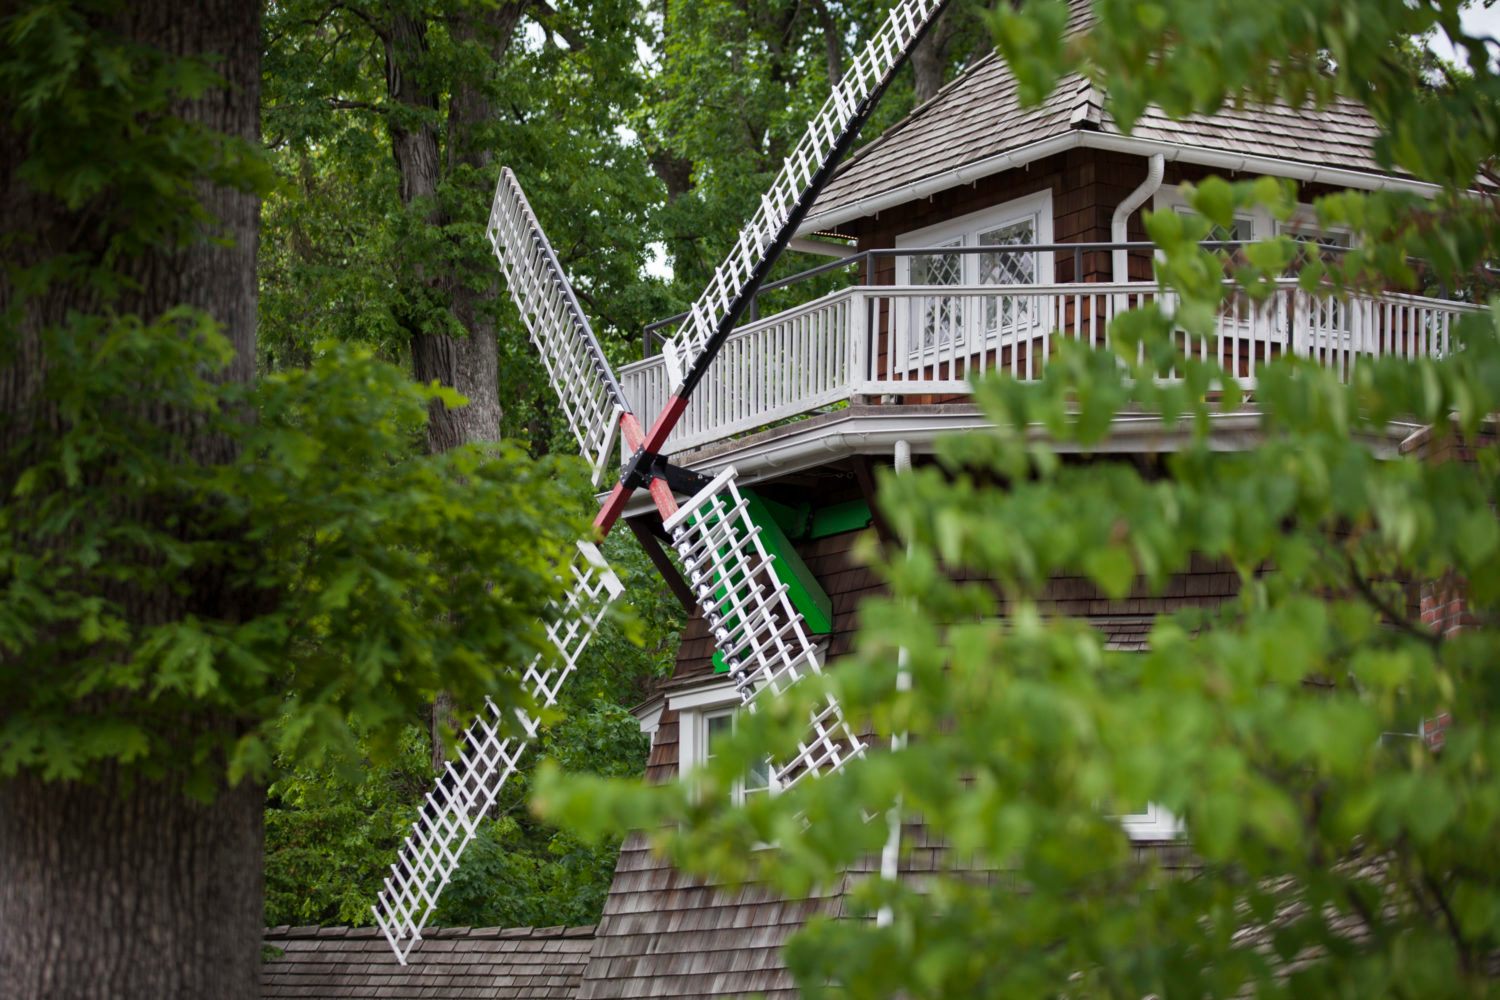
column 752, row 610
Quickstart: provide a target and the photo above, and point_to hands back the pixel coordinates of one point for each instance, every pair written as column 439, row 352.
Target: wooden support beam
column 663, row 563
column 864, row 475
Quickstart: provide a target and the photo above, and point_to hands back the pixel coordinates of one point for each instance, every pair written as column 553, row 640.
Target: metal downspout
column 1155, row 169
column 890, row 854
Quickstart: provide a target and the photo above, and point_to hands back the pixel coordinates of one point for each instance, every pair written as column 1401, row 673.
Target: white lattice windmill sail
column 586, row 388
column 469, row 785
column 814, row 154
column 755, row 626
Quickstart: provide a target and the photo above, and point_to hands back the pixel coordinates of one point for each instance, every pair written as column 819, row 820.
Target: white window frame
column 1312, row 232
column 1263, row 225
column 694, row 710
column 964, row 231
column 1153, row 824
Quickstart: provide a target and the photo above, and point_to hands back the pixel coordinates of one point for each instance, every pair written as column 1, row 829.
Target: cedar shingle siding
column 520, row 963
column 665, row 935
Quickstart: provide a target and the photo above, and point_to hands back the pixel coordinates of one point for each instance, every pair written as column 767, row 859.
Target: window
column 1328, row 244
column 717, row 726
column 1258, row 225
column 706, row 718
column 1152, row 822
column 931, row 323
column 1243, row 229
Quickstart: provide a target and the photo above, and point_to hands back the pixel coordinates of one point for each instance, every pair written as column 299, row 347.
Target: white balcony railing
column 928, row 341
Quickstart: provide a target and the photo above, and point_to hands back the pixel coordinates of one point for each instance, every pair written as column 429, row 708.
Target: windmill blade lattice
column 463, row 796
column 755, row 626
column 586, row 387
column 825, row 138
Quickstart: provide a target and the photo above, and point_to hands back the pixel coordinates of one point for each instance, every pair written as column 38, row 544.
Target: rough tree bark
column 929, row 60
column 115, row 888
column 958, row 27
column 468, row 363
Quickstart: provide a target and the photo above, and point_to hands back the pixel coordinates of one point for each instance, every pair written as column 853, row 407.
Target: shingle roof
column 520, row 963
column 664, row 934
column 1341, row 134
column 979, row 117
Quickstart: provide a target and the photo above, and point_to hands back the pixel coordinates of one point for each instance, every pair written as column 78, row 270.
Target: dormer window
column 717, row 727
column 707, row 717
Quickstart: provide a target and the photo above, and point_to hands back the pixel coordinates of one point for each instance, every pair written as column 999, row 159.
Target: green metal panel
column 794, row 521
column 839, row 518
column 803, row 589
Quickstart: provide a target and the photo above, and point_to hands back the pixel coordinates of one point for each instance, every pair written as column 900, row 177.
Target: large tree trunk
column 121, row 888
column 467, row 363
column 929, row 60
column 129, row 892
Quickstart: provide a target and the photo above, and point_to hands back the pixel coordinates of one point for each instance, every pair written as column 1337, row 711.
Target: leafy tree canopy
column 349, row 553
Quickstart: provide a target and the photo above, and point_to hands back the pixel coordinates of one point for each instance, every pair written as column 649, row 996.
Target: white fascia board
column 649, row 715
column 1270, row 166
column 868, row 434
column 989, row 166
column 928, row 186
column 718, row 695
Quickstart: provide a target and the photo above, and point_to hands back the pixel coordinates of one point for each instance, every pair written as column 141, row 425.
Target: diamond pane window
column 1241, row 230
column 1001, row 268
column 941, row 318
column 1329, row 246
column 971, row 321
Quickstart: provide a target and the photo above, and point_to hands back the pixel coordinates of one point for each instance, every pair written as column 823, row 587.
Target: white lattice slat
column 579, row 372
column 467, row 790
column 865, row 76
column 755, row 626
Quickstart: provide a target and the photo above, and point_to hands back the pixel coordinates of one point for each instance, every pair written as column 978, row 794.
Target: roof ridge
column 287, row 932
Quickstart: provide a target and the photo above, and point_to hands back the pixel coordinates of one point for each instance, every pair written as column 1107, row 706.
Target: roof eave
column 1079, row 138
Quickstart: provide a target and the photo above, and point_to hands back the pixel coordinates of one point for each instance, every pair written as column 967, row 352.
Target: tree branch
column 381, row 32
column 1450, row 919
column 1379, row 603
column 550, row 18
column 339, row 104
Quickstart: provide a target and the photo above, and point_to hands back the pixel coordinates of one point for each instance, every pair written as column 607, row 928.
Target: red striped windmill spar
column 759, row 632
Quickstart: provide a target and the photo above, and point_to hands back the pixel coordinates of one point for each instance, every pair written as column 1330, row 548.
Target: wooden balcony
column 925, row 343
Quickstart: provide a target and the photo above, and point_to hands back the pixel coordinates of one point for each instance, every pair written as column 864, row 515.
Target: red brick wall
column 1444, row 604
column 1445, row 607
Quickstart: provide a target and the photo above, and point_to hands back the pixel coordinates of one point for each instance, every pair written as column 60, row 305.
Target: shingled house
column 976, row 234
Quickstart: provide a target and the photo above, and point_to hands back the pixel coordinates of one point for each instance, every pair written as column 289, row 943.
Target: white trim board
column 859, row 431
column 721, row 692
